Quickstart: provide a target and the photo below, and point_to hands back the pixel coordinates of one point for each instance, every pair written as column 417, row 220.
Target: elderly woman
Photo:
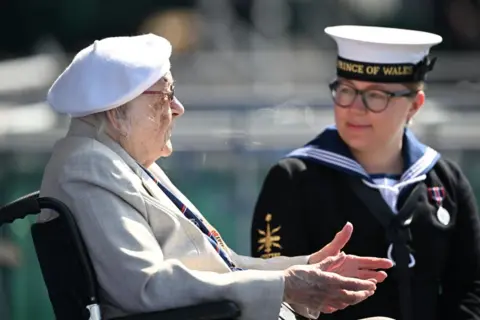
column 150, row 247
column 406, row 201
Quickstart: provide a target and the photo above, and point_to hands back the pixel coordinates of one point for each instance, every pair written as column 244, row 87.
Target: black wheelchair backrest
column 65, row 265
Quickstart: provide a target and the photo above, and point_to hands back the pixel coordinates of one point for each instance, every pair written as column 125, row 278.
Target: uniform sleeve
column 461, row 284
column 129, row 262
column 278, row 225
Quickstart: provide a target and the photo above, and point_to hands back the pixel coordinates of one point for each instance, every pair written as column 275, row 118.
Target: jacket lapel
column 165, row 181
column 157, row 193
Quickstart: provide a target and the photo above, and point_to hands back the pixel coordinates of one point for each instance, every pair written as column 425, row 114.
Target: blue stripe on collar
column 329, row 149
column 419, row 158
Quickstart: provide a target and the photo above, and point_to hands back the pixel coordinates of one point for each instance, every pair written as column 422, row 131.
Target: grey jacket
column 146, row 254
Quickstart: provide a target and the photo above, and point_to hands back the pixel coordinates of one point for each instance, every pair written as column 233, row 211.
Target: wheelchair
column 68, row 273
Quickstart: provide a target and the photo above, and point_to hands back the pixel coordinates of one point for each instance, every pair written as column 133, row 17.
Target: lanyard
column 212, row 235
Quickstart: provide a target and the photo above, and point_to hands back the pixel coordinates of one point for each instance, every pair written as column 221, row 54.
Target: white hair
column 103, row 125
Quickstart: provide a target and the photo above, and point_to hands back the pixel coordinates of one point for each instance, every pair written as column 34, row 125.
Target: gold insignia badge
column 269, row 239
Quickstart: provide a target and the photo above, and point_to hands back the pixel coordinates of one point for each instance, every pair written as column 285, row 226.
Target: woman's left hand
column 353, row 266
column 335, row 246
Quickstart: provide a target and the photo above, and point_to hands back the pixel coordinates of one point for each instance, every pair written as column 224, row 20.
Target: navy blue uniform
column 306, row 198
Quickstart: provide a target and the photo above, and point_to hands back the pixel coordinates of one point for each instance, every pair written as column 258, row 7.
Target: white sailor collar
column 329, row 149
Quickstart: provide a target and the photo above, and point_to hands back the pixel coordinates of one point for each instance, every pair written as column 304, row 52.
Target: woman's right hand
column 319, row 288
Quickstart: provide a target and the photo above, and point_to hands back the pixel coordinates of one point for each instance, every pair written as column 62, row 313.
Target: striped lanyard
column 212, row 235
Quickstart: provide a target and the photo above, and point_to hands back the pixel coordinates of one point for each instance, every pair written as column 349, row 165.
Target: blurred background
column 253, row 76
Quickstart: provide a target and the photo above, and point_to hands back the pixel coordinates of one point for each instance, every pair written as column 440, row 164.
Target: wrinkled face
column 150, row 118
column 390, row 107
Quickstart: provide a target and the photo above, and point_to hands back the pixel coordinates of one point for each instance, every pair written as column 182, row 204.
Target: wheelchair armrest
column 223, row 310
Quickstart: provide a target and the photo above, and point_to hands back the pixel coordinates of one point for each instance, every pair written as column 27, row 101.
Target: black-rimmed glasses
column 375, row 100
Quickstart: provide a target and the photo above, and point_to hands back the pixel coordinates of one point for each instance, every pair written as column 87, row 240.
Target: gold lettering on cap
column 397, row 71
column 375, row 71
column 350, row 67
column 372, row 70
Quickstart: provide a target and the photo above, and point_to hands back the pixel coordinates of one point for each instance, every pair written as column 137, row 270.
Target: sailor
column 405, row 201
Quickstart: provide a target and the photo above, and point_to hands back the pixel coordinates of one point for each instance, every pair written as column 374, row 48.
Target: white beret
column 109, row 73
column 383, row 54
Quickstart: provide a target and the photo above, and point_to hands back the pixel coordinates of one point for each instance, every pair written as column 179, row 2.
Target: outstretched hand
column 335, row 246
column 366, row 268
column 314, row 287
column 352, row 266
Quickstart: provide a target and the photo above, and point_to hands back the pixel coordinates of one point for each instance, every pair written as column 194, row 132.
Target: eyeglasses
column 375, row 100
column 170, row 95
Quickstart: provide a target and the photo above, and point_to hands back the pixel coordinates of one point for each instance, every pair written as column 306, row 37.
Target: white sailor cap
column 109, row 73
column 379, row 54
